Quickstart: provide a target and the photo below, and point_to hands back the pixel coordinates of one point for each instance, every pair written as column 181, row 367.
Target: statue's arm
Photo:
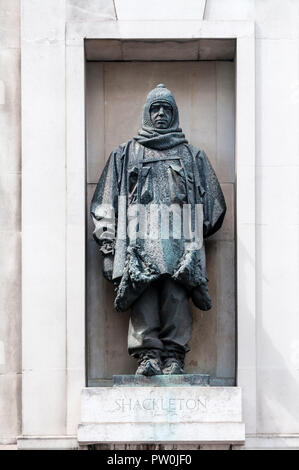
column 212, row 196
column 104, row 208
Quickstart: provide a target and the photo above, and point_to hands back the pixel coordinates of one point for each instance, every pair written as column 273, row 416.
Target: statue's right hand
column 108, row 267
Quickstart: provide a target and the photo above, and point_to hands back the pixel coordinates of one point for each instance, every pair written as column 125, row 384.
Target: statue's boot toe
column 149, row 367
column 172, row 366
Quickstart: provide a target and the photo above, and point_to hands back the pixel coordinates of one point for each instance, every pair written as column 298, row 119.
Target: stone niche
column 201, row 73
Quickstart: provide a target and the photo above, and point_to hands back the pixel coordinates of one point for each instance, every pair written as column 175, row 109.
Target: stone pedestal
column 180, row 413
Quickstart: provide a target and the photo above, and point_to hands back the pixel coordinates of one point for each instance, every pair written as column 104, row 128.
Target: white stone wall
column 10, row 222
column 45, row 356
column 277, row 206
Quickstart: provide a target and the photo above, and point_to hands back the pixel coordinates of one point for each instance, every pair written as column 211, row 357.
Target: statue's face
column 161, row 114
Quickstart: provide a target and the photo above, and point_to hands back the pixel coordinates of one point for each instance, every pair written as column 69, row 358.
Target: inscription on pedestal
column 157, row 404
column 171, row 414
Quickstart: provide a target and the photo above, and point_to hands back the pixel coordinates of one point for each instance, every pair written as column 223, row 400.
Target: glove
column 201, row 298
column 108, row 267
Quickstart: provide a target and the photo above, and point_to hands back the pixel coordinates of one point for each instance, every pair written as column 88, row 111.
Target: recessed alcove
column 201, row 73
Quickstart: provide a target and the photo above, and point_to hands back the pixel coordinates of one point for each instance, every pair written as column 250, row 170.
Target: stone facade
column 50, row 364
column 10, row 222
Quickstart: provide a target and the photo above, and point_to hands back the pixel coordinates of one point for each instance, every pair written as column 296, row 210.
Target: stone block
column 43, row 22
column 230, row 10
column 47, row 443
column 157, row 10
column 182, row 415
column 10, row 302
column 277, row 110
column 10, row 201
column 10, row 23
column 89, row 10
column 43, row 398
column 10, row 407
column 10, row 107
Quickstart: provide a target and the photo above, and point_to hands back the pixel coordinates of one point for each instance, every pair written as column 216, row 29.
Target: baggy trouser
column 161, row 321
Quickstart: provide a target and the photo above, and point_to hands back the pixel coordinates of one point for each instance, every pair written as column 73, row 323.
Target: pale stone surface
column 10, row 201
column 10, row 23
column 44, row 217
column 10, row 407
column 157, row 10
column 43, row 22
column 10, row 223
column 161, row 414
column 246, row 374
column 41, row 150
column 234, row 433
column 10, row 110
column 277, row 75
column 144, row 30
column 277, row 20
column 161, row 404
column 245, row 233
column 44, row 407
column 48, row 443
column 8, row 447
column 89, row 10
column 230, row 10
column 75, row 234
column 273, row 201
column 10, row 302
column 270, row 442
column 277, row 218
column 277, row 393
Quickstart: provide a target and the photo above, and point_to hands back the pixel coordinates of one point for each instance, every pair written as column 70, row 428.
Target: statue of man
column 157, row 199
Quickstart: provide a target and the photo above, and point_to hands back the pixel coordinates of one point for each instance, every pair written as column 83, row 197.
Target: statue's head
column 160, row 109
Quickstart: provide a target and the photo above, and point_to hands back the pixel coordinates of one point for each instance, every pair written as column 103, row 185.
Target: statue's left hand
column 201, row 298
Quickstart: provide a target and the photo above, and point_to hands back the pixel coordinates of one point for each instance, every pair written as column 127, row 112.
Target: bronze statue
column 158, row 198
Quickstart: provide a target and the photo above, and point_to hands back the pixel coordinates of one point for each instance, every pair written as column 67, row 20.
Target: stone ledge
column 168, row 433
column 47, row 443
column 202, row 380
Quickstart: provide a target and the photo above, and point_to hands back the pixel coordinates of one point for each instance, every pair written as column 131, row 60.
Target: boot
column 149, row 364
column 173, row 364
